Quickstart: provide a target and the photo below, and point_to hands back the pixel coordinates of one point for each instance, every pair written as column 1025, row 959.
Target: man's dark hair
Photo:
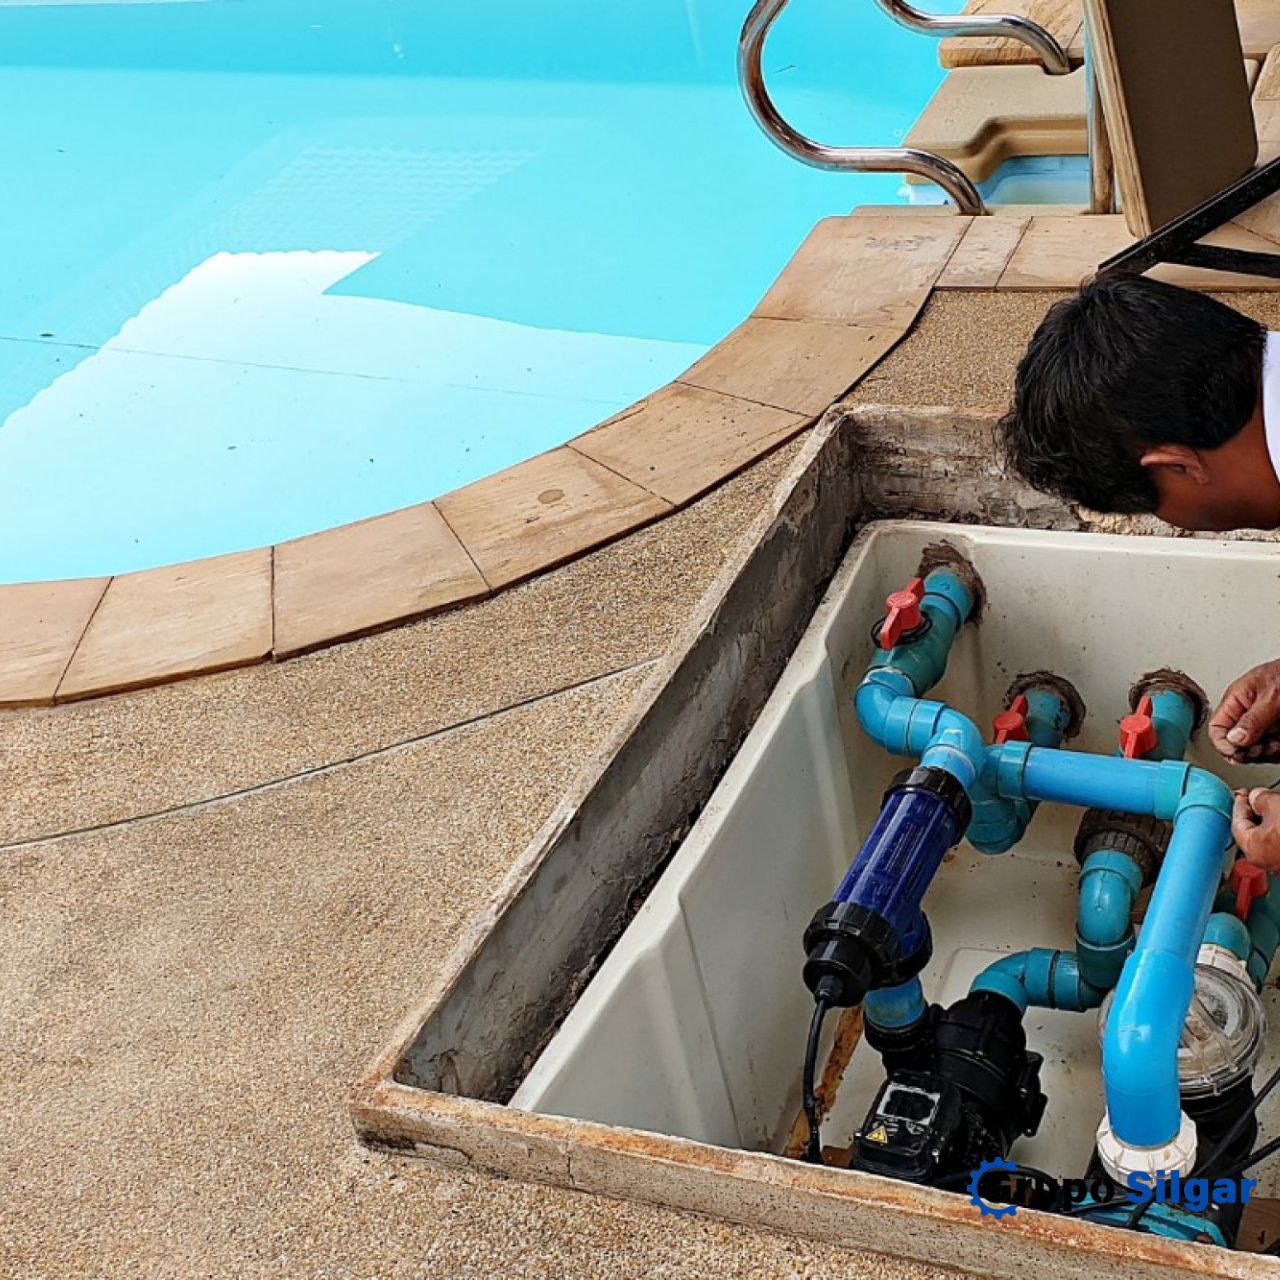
column 1128, row 363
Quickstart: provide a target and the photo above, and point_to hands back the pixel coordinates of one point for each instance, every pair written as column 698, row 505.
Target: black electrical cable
column 1203, row 1165
column 813, row 1152
column 1232, row 1172
column 1206, row 1162
column 954, row 1179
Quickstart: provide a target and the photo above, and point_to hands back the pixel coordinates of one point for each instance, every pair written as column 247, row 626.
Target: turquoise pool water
column 268, row 266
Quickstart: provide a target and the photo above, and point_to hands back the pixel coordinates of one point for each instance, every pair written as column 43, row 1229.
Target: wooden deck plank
column 1060, row 253
column 797, row 365
column 1259, row 32
column 875, row 271
column 1063, row 19
column 984, row 253
column 683, row 439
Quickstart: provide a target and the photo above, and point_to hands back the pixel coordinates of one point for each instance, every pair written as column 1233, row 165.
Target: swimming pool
column 268, row 266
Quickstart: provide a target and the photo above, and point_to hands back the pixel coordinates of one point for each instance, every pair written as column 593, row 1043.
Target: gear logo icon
column 975, row 1199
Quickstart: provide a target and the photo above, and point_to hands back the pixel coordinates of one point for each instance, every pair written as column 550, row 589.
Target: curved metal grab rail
column 1011, row 25
column 877, row 159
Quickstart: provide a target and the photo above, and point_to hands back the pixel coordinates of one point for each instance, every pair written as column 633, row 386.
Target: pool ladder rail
column 936, row 168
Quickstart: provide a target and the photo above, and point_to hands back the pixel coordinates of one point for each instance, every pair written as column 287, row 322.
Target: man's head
column 1137, row 396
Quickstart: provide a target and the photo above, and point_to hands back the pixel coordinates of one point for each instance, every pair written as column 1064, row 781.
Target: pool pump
column 1181, row 1023
column 961, row 1087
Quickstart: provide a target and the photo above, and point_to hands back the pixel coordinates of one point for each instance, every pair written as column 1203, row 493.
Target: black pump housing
column 961, row 1087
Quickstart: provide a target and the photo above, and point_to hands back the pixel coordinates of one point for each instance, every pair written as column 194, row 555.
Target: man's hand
column 1255, row 824
column 1246, row 726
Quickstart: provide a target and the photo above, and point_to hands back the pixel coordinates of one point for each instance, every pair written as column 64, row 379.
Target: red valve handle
column 1138, row 732
column 1250, row 883
column 1011, row 725
column 902, row 613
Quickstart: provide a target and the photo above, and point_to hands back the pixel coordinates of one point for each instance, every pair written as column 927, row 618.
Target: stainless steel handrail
column 877, row 159
column 1010, row 25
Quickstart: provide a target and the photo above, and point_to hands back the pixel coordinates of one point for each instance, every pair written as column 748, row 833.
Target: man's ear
column 1178, row 457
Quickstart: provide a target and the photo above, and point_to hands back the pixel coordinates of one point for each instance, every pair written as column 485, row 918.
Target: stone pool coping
column 1259, row 32
column 852, row 291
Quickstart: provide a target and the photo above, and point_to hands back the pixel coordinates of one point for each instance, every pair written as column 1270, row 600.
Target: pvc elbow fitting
column 1203, row 790
column 1109, row 884
column 1040, row 978
column 875, row 702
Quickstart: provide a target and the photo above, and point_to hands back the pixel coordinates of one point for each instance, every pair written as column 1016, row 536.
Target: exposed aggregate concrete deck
column 219, row 896
column 966, row 348
column 104, row 761
column 188, row 992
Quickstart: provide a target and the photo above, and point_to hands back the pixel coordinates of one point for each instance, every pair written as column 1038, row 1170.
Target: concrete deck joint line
column 333, row 766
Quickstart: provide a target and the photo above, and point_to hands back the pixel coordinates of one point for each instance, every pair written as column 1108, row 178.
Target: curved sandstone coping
column 850, row 293
column 1259, row 31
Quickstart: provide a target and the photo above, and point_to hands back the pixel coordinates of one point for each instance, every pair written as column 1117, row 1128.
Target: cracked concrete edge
column 942, row 463
column 832, row 1206
column 520, row 966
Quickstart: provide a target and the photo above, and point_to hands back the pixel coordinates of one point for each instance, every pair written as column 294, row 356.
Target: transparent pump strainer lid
column 1221, row 1038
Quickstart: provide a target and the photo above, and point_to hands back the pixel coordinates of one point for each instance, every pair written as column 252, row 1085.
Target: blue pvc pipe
column 1109, row 884
column 1111, row 880
column 1092, row 782
column 1048, row 717
column 955, row 744
column 896, row 1006
column 1174, row 716
column 1042, row 979
column 947, row 604
column 1140, row 1063
column 1140, row 1048
column 999, row 824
